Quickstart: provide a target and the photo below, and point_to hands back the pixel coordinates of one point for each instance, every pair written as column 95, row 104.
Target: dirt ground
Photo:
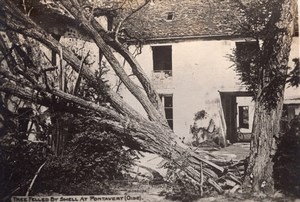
column 151, row 193
column 240, row 150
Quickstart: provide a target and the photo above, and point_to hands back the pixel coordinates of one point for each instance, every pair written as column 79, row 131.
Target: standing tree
column 270, row 23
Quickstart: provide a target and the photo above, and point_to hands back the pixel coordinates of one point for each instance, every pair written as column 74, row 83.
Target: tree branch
column 34, row 178
column 127, row 17
column 74, row 9
column 80, row 74
column 28, row 28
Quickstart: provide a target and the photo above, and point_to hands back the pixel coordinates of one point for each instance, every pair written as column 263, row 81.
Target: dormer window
column 170, row 16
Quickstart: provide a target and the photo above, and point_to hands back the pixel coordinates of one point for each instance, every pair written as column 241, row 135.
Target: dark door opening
column 231, row 109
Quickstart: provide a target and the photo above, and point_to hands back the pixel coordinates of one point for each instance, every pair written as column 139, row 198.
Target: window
column 246, row 53
column 244, row 117
column 167, row 101
column 170, row 16
column 162, row 59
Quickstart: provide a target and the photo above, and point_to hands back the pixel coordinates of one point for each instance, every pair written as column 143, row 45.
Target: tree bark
column 260, row 168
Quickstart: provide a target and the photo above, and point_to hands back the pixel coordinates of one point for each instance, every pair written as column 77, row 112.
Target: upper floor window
column 246, row 56
column 246, row 51
column 162, row 59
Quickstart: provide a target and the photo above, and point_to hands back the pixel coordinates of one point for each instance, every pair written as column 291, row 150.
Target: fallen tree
column 152, row 134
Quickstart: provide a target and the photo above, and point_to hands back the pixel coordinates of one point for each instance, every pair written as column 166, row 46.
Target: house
column 185, row 52
column 186, row 45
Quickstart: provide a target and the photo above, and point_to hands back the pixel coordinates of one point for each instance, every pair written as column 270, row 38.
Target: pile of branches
column 216, row 174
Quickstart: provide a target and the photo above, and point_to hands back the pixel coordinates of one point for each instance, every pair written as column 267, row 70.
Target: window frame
column 163, row 100
column 170, row 16
column 243, row 123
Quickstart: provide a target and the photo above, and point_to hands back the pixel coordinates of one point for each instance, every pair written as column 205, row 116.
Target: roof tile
column 191, row 18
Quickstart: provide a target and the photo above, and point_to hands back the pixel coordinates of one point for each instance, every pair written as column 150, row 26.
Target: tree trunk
column 273, row 66
column 262, row 149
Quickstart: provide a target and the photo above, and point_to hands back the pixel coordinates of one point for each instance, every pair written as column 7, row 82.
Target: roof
column 292, row 97
column 167, row 19
column 237, row 93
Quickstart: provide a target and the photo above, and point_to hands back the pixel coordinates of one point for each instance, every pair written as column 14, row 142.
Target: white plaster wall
column 200, row 70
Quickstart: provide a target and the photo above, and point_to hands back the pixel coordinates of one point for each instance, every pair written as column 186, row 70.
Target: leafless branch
column 80, row 73
column 127, row 17
column 34, row 178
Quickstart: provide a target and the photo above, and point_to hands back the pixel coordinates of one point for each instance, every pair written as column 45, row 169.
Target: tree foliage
column 286, row 161
column 19, row 161
column 91, row 157
column 260, row 21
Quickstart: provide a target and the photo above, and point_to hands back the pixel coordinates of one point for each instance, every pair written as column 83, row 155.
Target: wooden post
column 57, row 136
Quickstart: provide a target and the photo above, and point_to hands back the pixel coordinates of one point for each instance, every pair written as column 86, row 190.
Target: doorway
column 238, row 110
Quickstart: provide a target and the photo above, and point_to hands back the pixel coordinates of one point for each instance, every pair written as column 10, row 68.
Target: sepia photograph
column 149, row 100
